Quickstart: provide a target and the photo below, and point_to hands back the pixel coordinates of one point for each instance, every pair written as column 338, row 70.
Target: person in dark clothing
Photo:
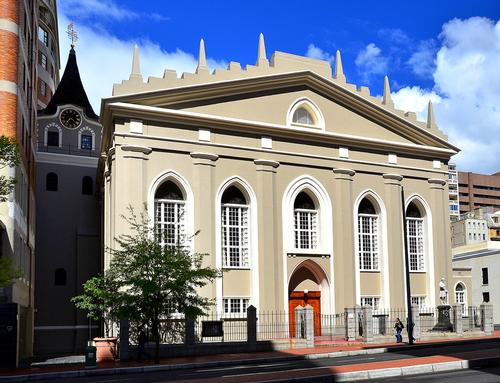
column 398, row 327
column 141, row 342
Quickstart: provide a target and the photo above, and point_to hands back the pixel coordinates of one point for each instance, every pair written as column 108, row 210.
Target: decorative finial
column 73, row 36
column 261, row 55
column 136, row 69
column 202, row 59
column 431, row 120
column 387, row 99
column 339, row 71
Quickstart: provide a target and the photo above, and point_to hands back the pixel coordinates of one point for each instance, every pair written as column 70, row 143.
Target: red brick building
column 478, row 190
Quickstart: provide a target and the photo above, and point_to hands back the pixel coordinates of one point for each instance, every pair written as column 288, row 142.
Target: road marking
column 247, row 366
column 274, row 372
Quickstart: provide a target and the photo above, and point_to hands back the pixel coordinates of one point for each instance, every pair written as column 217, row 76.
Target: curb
column 342, row 377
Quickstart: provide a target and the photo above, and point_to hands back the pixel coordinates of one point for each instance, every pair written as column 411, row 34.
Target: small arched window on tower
column 306, row 222
column 235, row 228
column 87, row 185
column 51, row 182
column 60, row 277
column 302, row 116
column 169, row 214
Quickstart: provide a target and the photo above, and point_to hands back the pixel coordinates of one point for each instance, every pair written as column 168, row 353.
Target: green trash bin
column 90, row 355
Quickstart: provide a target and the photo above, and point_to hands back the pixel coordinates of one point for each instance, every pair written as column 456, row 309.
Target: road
column 265, row 371
column 487, row 375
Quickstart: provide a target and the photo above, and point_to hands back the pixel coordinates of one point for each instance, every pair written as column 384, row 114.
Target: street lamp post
column 410, row 323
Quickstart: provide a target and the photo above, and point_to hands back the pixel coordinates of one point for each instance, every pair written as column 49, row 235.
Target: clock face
column 70, row 118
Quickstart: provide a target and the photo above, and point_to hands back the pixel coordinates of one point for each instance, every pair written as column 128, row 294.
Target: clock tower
column 67, row 214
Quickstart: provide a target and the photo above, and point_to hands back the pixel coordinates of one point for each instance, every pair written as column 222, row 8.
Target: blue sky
column 448, row 53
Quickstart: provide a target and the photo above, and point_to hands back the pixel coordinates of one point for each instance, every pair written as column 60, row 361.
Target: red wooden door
column 312, row 298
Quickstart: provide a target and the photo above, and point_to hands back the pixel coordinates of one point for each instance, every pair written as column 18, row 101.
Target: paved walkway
column 344, row 349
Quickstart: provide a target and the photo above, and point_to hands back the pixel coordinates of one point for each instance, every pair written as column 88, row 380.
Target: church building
column 292, row 176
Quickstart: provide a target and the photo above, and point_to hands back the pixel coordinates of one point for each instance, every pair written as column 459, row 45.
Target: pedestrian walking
column 398, row 327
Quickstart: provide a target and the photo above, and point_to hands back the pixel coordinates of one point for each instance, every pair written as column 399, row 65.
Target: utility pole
column 410, row 323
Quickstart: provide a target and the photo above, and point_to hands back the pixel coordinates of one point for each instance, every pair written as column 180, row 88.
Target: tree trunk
column 156, row 330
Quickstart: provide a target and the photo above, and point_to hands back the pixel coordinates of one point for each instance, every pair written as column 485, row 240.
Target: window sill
column 418, row 271
column 369, row 271
column 236, row 267
column 307, row 253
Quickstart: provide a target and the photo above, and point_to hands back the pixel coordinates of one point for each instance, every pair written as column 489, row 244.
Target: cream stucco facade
column 314, row 161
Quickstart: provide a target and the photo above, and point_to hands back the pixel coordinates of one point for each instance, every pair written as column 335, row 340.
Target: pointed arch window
column 170, row 206
column 305, row 222
column 368, row 236
column 302, row 116
column 415, row 237
column 235, row 228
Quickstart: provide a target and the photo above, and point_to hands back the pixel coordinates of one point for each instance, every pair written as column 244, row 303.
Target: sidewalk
column 343, row 373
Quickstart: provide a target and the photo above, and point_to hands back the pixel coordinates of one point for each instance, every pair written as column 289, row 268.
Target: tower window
column 51, row 182
column 52, row 138
column 86, row 141
column 60, row 277
column 87, row 185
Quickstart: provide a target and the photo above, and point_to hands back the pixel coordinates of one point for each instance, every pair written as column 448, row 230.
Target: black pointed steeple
column 70, row 91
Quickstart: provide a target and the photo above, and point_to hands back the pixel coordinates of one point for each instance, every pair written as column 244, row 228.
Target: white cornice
column 277, row 128
column 65, row 159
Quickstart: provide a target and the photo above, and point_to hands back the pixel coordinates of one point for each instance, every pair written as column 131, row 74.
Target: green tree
column 9, row 157
column 8, row 272
column 150, row 282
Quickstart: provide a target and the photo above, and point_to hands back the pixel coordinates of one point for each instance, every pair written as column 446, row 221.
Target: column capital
column 392, row 179
column 266, row 165
column 200, row 158
column 136, row 149
column 344, row 174
column 436, row 183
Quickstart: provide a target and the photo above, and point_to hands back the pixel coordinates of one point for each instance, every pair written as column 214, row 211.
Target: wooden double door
column 312, row 298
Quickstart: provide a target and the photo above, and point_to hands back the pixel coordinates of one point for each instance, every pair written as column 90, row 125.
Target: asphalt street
column 486, row 375
column 290, row 367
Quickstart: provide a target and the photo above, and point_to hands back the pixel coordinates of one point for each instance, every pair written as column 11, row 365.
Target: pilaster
column 439, row 202
column 270, row 275
column 393, row 269
column 343, row 240
column 204, row 208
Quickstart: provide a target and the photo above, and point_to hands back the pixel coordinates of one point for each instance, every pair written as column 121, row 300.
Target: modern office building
column 292, row 175
column 478, row 190
column 19, row 23
column 453, row 191
column 67, row 230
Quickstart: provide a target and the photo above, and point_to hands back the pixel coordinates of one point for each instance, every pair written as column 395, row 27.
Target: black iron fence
column 384, row 320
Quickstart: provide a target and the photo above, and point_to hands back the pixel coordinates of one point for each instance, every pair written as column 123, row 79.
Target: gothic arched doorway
column 308, row 285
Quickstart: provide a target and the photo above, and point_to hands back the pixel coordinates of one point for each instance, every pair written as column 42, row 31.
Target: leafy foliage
column 8, row 272
column 9, row 156
column 147, row 282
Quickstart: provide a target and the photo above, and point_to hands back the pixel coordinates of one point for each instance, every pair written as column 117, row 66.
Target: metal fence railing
column 273, row 325
column 330, row 326
column 385, row 319
column 217, row 327
column 471, row 318
column 428, row 317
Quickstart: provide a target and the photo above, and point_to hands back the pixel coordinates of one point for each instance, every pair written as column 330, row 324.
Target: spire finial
column 261, row 54
column 387, row 99
column 431, row 120
column 339, row 71
column 71, row 32
column 136, row 69
column 202, row 59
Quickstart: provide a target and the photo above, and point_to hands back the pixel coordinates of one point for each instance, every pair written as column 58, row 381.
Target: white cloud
column 95, row 8
column 467, row 81
column 422, row 61
column 396, row 35
column 415, row 99
column 104, row 59
column 370, row 61
column 317, row 53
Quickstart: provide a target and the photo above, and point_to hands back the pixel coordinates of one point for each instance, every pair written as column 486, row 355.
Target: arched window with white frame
column 235, row 224
column 461, row 297
column 415, row 237
column 306, row 221
column 169, row 218
column 368, row 236
column 304, row 113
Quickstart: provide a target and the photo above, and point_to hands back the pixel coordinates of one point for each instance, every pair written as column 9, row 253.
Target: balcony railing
column 73, row 150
